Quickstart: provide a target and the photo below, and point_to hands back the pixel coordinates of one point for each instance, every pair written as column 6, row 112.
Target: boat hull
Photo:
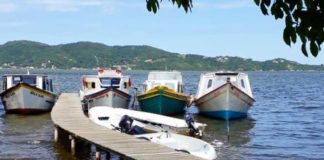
column 108, row 97
column 226, row 102
column 181, row 143
column 26, row 99
column 161, row 100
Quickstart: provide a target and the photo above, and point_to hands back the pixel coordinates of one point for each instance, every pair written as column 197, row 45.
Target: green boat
column 163, row 93
column 162, row 100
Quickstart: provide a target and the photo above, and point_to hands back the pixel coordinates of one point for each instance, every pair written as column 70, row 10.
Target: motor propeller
column 193, row 131
column 126, row 126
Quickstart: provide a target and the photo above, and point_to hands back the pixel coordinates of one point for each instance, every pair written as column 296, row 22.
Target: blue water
column 285, row 122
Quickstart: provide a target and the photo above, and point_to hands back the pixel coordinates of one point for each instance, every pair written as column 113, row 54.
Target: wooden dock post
column 55, row 134
column 97, row 155
column 72, row 144
column 94, row 149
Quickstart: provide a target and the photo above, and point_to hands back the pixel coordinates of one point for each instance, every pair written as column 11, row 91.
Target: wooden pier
column 68, row 116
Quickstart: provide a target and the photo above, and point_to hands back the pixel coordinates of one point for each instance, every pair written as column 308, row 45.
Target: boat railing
column 134, row 101
column 1, row 87
column 164, row 76
column 57, row 88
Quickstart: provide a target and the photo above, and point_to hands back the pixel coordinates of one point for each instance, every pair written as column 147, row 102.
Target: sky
column 212, row 28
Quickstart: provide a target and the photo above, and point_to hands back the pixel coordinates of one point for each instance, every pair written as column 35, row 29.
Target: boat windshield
column 170, row 85
column 4, row 82
column 110, row 82
column 155, row 84
column 29, row 79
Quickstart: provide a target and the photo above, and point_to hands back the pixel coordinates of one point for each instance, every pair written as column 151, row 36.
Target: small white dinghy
column 149, row 121
column 116, row 120
column 182, row 143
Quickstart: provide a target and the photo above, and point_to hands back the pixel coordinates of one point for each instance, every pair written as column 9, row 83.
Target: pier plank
column 68, row 115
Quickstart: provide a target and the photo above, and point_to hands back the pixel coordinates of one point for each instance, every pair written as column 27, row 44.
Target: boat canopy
column 210, row 81
column 170, row 79
column 164, row 75
column 105, row 79
column 109, row 82
column 39, row 81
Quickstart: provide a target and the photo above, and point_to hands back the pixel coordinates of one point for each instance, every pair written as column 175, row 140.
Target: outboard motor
column 136, row 130
column 191, row 124
column 85, row 108
column 125, row 124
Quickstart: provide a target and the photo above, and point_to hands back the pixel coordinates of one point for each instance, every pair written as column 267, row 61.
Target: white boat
column 27, row 94
column 182, row 143
column 108, row 88
column 116, row 120
column 149, row 121
column 224, row 95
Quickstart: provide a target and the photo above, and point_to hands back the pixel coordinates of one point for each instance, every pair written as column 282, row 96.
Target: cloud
column 107, row 6
column 12, row 24
column 224, row 4
column 7, row 7
column 111, row 6
column 65, row 5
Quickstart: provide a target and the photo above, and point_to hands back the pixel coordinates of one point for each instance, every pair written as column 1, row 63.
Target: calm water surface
column 286, row 121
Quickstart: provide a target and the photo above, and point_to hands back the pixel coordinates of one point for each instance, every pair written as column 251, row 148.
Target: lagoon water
column 285, row 122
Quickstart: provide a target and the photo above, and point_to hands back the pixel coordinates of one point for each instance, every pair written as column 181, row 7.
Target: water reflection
column 22, row 135
column 236, row 132
column 233, row 134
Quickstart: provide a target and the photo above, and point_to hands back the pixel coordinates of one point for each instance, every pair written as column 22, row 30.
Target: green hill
column 21, row 54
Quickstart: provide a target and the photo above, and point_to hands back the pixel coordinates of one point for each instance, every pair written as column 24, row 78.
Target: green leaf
column 179, row 3
column 148, row 5
column 285, row 7
column 313, row 48
column 296, row 15
column 319, row 42
column 185, row 8
column 157, row 4
column 280, row 13
column 267, row 2
column 302, row 38
column 286, row 36
column 276, row 11
column 303, row 48
column 293, row 35
column 292, row 5
column 264, row 9
column 257, row 2
column 288, row 21
column 273, row 9
column 299, row 4
column 308, row 3
column 154, row 8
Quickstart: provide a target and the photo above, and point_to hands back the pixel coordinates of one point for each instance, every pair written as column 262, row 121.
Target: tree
column 303, row 19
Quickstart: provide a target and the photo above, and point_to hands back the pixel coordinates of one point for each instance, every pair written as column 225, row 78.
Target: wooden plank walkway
column 68, row 115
